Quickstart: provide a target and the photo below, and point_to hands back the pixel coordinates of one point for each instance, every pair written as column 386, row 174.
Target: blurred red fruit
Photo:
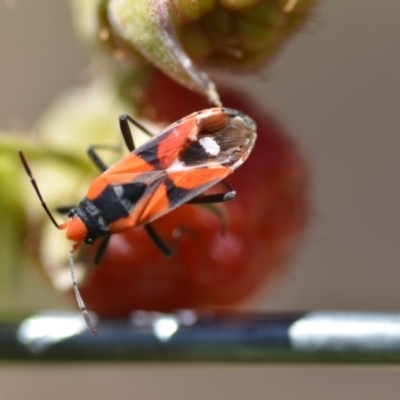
column 210, row 269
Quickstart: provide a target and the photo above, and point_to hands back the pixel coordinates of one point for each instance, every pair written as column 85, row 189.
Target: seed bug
column 173, row 168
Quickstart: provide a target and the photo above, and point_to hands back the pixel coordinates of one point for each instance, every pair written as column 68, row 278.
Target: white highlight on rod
column 345, row 331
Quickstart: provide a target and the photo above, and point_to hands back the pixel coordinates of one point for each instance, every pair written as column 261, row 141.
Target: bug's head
column 76, row 229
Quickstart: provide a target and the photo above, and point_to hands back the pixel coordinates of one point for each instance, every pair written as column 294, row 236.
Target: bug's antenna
column 81, row 303
column 35, row 186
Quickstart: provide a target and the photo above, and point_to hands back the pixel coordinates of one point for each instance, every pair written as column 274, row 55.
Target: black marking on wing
column 133, row 191
column 178, row 195
column 114, row 203
column 193, row 153
column 111, row 207
column 149, row 153
column 175, row 194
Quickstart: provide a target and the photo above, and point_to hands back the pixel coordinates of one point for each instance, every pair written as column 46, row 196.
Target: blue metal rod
column 318, row 336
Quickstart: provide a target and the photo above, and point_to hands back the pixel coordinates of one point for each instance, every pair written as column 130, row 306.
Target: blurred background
column 336, row 89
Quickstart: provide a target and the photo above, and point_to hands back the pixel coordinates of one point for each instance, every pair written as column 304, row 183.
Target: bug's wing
column 224, row 137
column 100, row 183
column 129, row 195
column 178, row 188
column 191, row 155
column 159, row 152
column 219, row 143
column 219, row 137
column 150, row 195
column 216, row 136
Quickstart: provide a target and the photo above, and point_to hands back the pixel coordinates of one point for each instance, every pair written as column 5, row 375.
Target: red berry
column 210, row 269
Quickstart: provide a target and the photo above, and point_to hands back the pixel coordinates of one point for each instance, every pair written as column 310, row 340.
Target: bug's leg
column 124, row 120
column 212, row 198
column 154, row 236
column 100, row 164
column 215, row 198
column 101, row 250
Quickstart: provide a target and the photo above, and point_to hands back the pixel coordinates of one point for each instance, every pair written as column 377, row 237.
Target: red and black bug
column 173, row 168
